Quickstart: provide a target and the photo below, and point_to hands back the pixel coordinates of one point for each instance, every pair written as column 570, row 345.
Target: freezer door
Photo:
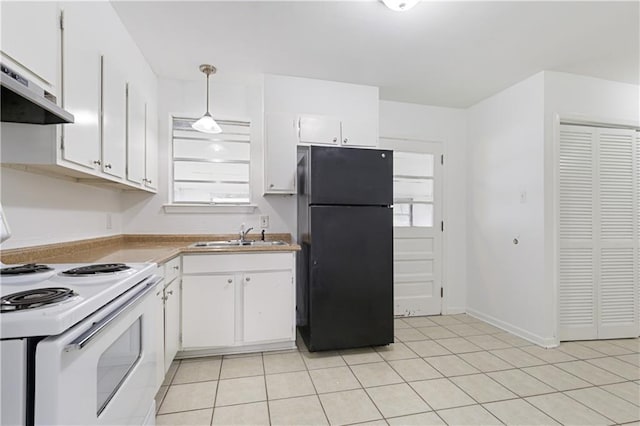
column 350, row 176
column 351, row 277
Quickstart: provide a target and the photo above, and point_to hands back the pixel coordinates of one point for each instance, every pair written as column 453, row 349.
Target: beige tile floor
column 442, row 370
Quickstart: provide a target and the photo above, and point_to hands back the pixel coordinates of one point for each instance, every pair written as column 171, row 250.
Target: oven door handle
column 85, row 338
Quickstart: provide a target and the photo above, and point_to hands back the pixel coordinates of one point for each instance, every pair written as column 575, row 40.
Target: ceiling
column 447, row 53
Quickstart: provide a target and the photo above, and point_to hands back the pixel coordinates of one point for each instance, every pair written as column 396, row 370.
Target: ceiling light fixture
column 400, row 5
column 207, row 124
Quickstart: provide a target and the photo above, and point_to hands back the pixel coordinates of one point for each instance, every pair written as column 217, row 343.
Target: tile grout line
column 585, row 405
column 266, row 389
column 449, row 378
column 361, row 385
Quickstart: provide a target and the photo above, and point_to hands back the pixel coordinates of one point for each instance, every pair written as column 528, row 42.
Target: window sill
column 209, row 208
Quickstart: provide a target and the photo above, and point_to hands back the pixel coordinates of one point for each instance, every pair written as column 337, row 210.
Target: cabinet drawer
column 241, row 262
column 171, row 270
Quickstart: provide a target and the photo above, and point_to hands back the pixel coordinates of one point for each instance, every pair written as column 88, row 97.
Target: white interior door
column 417, row 248
column 598, row 233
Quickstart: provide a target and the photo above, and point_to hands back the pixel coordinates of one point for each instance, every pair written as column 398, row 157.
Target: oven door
column 103, row 370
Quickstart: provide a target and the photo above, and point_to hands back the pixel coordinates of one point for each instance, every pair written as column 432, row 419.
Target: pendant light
column 207, row 124
column 400, row 5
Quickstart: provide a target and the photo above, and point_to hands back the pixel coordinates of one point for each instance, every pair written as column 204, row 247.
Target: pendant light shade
column 400, row 5
column 207, row 124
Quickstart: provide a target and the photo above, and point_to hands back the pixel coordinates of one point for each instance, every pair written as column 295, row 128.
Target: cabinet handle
column 248, row 279
column 170, row 292
column 229, row 280
column 335, row 139
column 164, row 298
column 345, row 140
column 176, row 268
column 97, row 162
column 107, row 166
column 271, row 186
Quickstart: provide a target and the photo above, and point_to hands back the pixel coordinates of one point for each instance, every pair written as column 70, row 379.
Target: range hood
column 25, row 102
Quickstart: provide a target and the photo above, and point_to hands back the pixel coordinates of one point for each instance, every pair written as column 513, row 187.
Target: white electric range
column 78, row 344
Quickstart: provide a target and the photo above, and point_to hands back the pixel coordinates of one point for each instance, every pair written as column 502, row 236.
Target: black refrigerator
column 345, row 228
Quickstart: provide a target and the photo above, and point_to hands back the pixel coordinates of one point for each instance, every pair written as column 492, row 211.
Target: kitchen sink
column 236, row 243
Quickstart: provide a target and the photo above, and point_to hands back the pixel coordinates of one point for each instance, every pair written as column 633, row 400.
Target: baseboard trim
column 453, row 310
column 533, row 338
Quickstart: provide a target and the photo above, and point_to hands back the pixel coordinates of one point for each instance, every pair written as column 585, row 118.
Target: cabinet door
column 151, row 147
column 136, row 128
column 171, row 322
column 81, row 82
column 280, row 153
column 114, row 118
column 268, row 306
column 30, row 37
column 160, row 332
column 208, row 311
column 358, row 133
column 319, row 129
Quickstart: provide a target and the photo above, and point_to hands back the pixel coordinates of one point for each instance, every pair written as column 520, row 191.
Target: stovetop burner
column 35, row 298
column 29, row 268
column 99, row 269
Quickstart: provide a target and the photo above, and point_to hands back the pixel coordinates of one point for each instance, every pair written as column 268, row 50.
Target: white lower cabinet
column 267, row 306
column 160, row 333
column 238, row 302
column 208, row 311
column 171, row 322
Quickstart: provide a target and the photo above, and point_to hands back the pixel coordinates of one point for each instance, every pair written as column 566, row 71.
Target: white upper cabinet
column 136, row 128
column 151, row 146
column 114, row 118
column 358, row 133
column 326, row 113
column 30, row 38
column 319, row 129
column 281, row 133
column 81, row 65
column 85, row 47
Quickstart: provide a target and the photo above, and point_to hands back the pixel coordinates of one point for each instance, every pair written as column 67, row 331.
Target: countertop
column 134, row 248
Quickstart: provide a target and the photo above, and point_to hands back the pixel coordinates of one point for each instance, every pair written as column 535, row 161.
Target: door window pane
column 413, row 214
column 412, row 164
column 422, row 215
column 413, row 189
column 116, row 362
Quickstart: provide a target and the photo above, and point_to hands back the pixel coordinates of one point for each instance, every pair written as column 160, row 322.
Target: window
column 413, row 188
column 211, row 168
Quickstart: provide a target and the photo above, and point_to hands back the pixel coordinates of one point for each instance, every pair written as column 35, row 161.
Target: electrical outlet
column 109, row 221
column 264, row 222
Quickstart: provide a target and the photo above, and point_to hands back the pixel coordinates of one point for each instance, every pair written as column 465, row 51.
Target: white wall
column 229, row 99
column 446, row 125
column 505, row 184
column 42, row 209
column 585, row 99
column 512, row 139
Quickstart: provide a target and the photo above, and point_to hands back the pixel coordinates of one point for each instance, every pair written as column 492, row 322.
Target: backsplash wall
column 42, row 209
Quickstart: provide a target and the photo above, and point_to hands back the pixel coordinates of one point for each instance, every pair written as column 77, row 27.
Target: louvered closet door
column 599, row 219
column 578, row 252
column 618, row 239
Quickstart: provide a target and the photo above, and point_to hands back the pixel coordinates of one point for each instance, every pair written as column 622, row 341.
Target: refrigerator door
column 349, row 176
column 351, row 277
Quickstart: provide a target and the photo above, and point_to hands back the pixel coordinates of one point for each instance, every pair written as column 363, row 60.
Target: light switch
column 264, row 222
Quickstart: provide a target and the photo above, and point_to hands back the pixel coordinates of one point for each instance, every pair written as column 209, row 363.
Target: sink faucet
column 243, row 234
